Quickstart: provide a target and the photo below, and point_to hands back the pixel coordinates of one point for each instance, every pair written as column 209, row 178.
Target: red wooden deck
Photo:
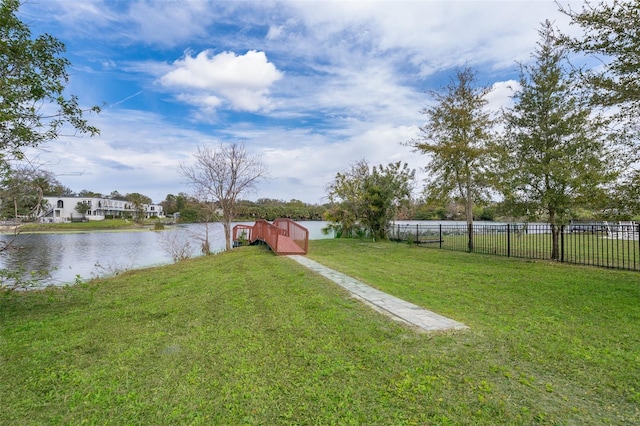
column 283, row 236
column 287, row 246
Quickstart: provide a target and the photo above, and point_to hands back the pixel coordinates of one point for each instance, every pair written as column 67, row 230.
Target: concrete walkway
column 398, row 309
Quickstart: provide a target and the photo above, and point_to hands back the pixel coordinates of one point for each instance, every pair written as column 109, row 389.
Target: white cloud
column 206, row 101
column 135, row 152
column 80, row 14
column 275, row 32
column 169, row 23
column 434, row 35
column 501, row 94
column 303, row 169
column 243, row 80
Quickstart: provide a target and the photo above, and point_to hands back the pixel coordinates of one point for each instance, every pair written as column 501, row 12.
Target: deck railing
column 242, row 233
column 270, row 233
column 298, row 233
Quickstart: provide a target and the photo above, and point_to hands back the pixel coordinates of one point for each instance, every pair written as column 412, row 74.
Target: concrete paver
column 396, row 308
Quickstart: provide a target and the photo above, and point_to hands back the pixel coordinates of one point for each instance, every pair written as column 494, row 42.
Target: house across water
column 70, row 209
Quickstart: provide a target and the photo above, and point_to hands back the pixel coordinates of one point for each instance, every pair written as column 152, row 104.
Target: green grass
column 92, row 225
column 579, row 248
column 250, row 338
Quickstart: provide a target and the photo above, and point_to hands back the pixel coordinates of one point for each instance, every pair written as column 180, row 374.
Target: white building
column 63, row 209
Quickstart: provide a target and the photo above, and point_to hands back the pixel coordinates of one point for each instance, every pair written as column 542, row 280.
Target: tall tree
column 171, row 204
column 554, row 152
column 369, row 197
column 82, row 208
column 138, row 201
column 610, row 32
column 33, row 77
column 136, row 197
column 22, row 190
column 60, row 190
column 221, row 175
column 346, row 197
column 386, row 189
column 455, row 138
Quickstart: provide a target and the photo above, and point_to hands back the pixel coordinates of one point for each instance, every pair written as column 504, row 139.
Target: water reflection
column 92, row 254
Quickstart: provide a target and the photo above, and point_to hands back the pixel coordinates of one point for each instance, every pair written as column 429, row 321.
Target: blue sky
column 311, row 87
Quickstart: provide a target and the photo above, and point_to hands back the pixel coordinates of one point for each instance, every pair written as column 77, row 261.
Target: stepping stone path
column 398, row 309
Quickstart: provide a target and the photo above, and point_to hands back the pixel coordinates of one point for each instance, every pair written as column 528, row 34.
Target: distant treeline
column 270, row 209
column 192, row 210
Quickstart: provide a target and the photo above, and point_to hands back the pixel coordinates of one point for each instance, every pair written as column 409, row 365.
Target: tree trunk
column 555, row 233
column 227, row 234
column 469, row 213
column 205, row 247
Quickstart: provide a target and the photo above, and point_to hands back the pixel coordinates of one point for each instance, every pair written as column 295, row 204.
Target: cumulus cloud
column 242, row 80
column 501, row 94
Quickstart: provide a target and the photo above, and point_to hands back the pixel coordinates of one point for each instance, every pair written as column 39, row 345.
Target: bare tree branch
column 220, row 175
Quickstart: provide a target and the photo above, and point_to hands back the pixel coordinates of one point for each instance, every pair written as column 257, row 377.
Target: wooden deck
column 287, row 246
column 283, row 236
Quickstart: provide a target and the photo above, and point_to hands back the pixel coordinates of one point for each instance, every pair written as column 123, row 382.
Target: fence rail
column 604, row 245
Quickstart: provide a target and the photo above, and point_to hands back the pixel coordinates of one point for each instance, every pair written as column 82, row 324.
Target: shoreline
column 15, row 230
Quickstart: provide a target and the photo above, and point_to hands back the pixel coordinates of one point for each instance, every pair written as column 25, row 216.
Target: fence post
column 417, row 230
column 440, row 234
column 561, row 243
column 508, row 240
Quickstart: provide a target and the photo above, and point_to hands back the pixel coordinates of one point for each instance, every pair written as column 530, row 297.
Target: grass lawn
column 579, row 248
column 250, row 338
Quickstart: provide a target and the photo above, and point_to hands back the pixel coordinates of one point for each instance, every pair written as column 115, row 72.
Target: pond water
column 67, row 257
column 71, row 256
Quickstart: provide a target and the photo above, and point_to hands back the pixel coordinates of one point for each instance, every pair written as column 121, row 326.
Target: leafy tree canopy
column 137, row 198
column 554, row 152
column 22, row 190
column 369, row 198
column 455, row 137
column 115, row 195
column 33, row 77
column 89, row 194
column 82, row 208
column 610, row 32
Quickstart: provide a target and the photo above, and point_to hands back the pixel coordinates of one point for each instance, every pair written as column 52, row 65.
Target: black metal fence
column 598, row 244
